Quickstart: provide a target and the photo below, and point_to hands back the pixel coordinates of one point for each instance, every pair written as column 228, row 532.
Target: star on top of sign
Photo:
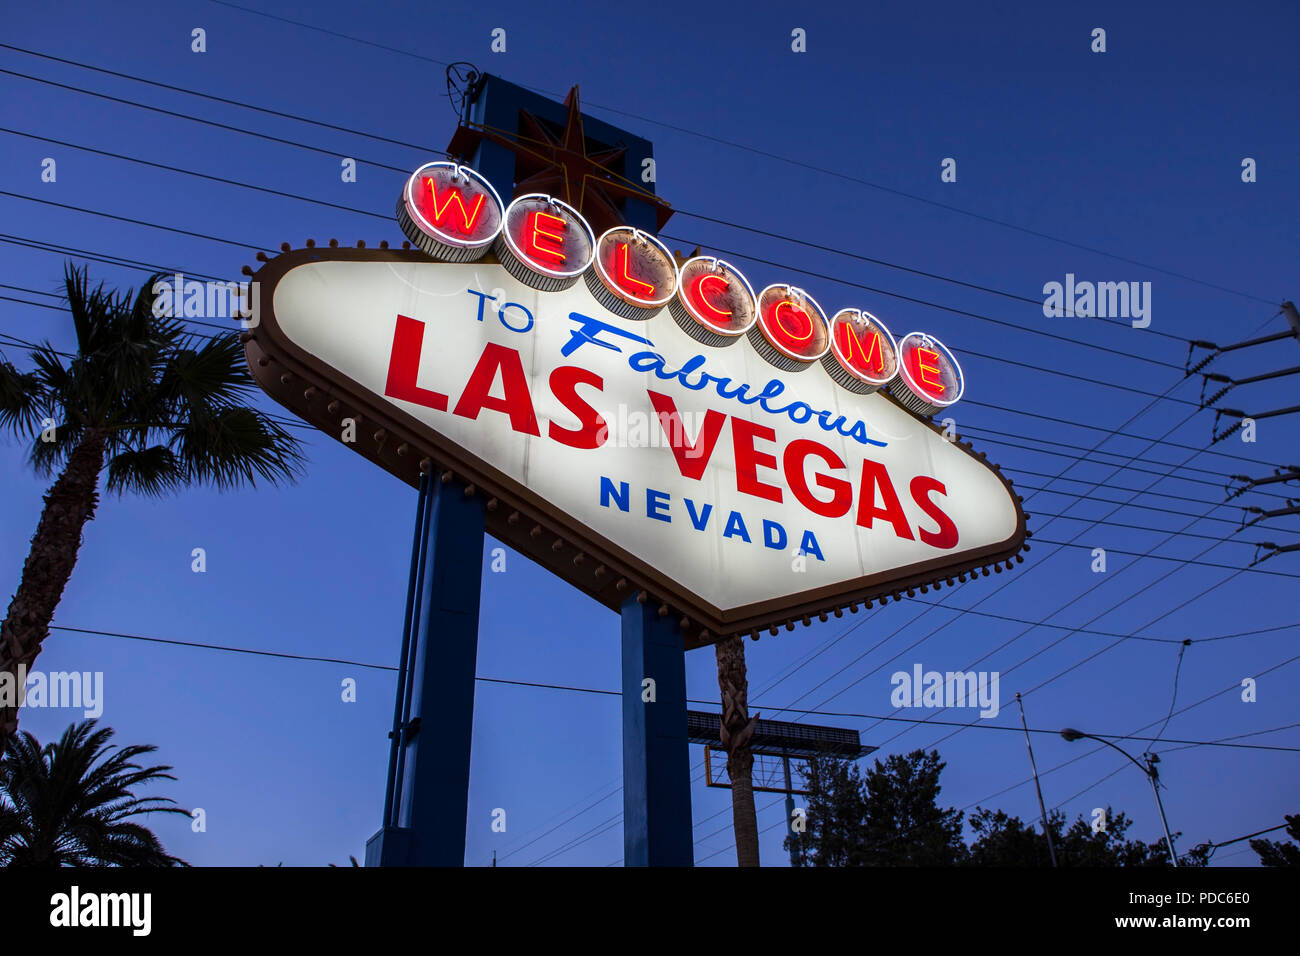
column 564, row 167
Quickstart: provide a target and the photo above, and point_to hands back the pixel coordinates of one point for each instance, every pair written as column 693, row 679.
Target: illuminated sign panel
column 624, row 454
column 624, row 445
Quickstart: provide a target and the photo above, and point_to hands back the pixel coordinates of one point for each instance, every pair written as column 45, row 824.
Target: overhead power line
column 222, row 99
column 962, row 312
column 1043, row 683
column 1102, row 749
column 986, row 597
column 692, row 214
column 387, row 217
column 1166, row 476
column 1181, row 561
column 122, row 262
column 39, row 305
column 588, row 690
column 1163, row 440
column 1066, row 340
column 760, row 152
column 137, row 222
column 978, row 430
column 225, row 127
column 1024, row 486
column 1093, row 456
column 1089, row 521
column 1198, row 595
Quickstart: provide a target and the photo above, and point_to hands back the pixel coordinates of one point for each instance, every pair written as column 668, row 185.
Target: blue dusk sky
column 1124, row 166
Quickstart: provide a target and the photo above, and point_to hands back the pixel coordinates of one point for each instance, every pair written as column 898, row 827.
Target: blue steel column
column 413, row 587
column 433, row 785
column 656, row 758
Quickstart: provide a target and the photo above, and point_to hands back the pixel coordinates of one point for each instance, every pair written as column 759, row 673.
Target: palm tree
column 162, row 408
column 737, row 729
column 71, row 803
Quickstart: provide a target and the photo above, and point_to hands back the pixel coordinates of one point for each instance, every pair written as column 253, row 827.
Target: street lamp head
column 1070, row 734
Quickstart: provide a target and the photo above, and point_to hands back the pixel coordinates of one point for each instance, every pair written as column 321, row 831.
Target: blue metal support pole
column 403, row 664
column 406, row 682
column 432, row 785
column 656, row 758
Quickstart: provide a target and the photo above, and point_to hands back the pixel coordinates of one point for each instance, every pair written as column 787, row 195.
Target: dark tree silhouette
column 888, row 817
column 1274, row 853
column 1003, row 840
column 159, row 408
column 891, row 817
column 73, row 803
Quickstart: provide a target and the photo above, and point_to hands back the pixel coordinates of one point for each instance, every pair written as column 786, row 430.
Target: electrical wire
column 387, row 217
column 760, row 152
column 1098, row 428
column 255, row 187
column 610, row 693
column 222, row 99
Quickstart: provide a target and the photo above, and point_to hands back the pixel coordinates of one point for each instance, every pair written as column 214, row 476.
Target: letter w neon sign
column 442, row 211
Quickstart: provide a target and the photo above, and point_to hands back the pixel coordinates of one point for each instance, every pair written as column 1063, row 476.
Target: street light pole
column 1149, row 771
column 1047, row 830
column 1152, row 760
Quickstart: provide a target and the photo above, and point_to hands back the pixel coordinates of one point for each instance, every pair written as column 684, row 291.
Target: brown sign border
column 403, row 446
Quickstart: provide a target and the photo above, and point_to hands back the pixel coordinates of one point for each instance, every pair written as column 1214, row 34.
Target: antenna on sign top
column 462, row 81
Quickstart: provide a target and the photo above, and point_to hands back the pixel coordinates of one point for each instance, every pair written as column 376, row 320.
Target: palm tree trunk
column 736, row 731
column 69, row 504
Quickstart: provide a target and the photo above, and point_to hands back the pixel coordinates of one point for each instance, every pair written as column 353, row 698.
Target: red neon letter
column 925, row 370
column 691, row 459
column 535, row 234
column 517, row 403
column 851, row 346
column 404, row 366
column 946, row 537
column 749, row 460
column 625, row 280
column 873, row 475
column 695, row 293
column 469, row 217
column 841, row 491
column 782, row 332
column 592, row 431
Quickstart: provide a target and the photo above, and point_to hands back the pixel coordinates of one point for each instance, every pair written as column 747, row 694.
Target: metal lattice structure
column 781, row 737
column 768, row 773
column 781, row 750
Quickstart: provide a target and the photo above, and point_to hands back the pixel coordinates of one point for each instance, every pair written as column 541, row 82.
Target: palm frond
column 202, row 380
column 52, row 446
column 237, row 446
column 72, row 802
column 86, row 305
column 172, row 406
column 22, row 397
column 154, row 472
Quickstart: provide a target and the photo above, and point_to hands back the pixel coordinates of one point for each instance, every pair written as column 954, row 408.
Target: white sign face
column 749, row 488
